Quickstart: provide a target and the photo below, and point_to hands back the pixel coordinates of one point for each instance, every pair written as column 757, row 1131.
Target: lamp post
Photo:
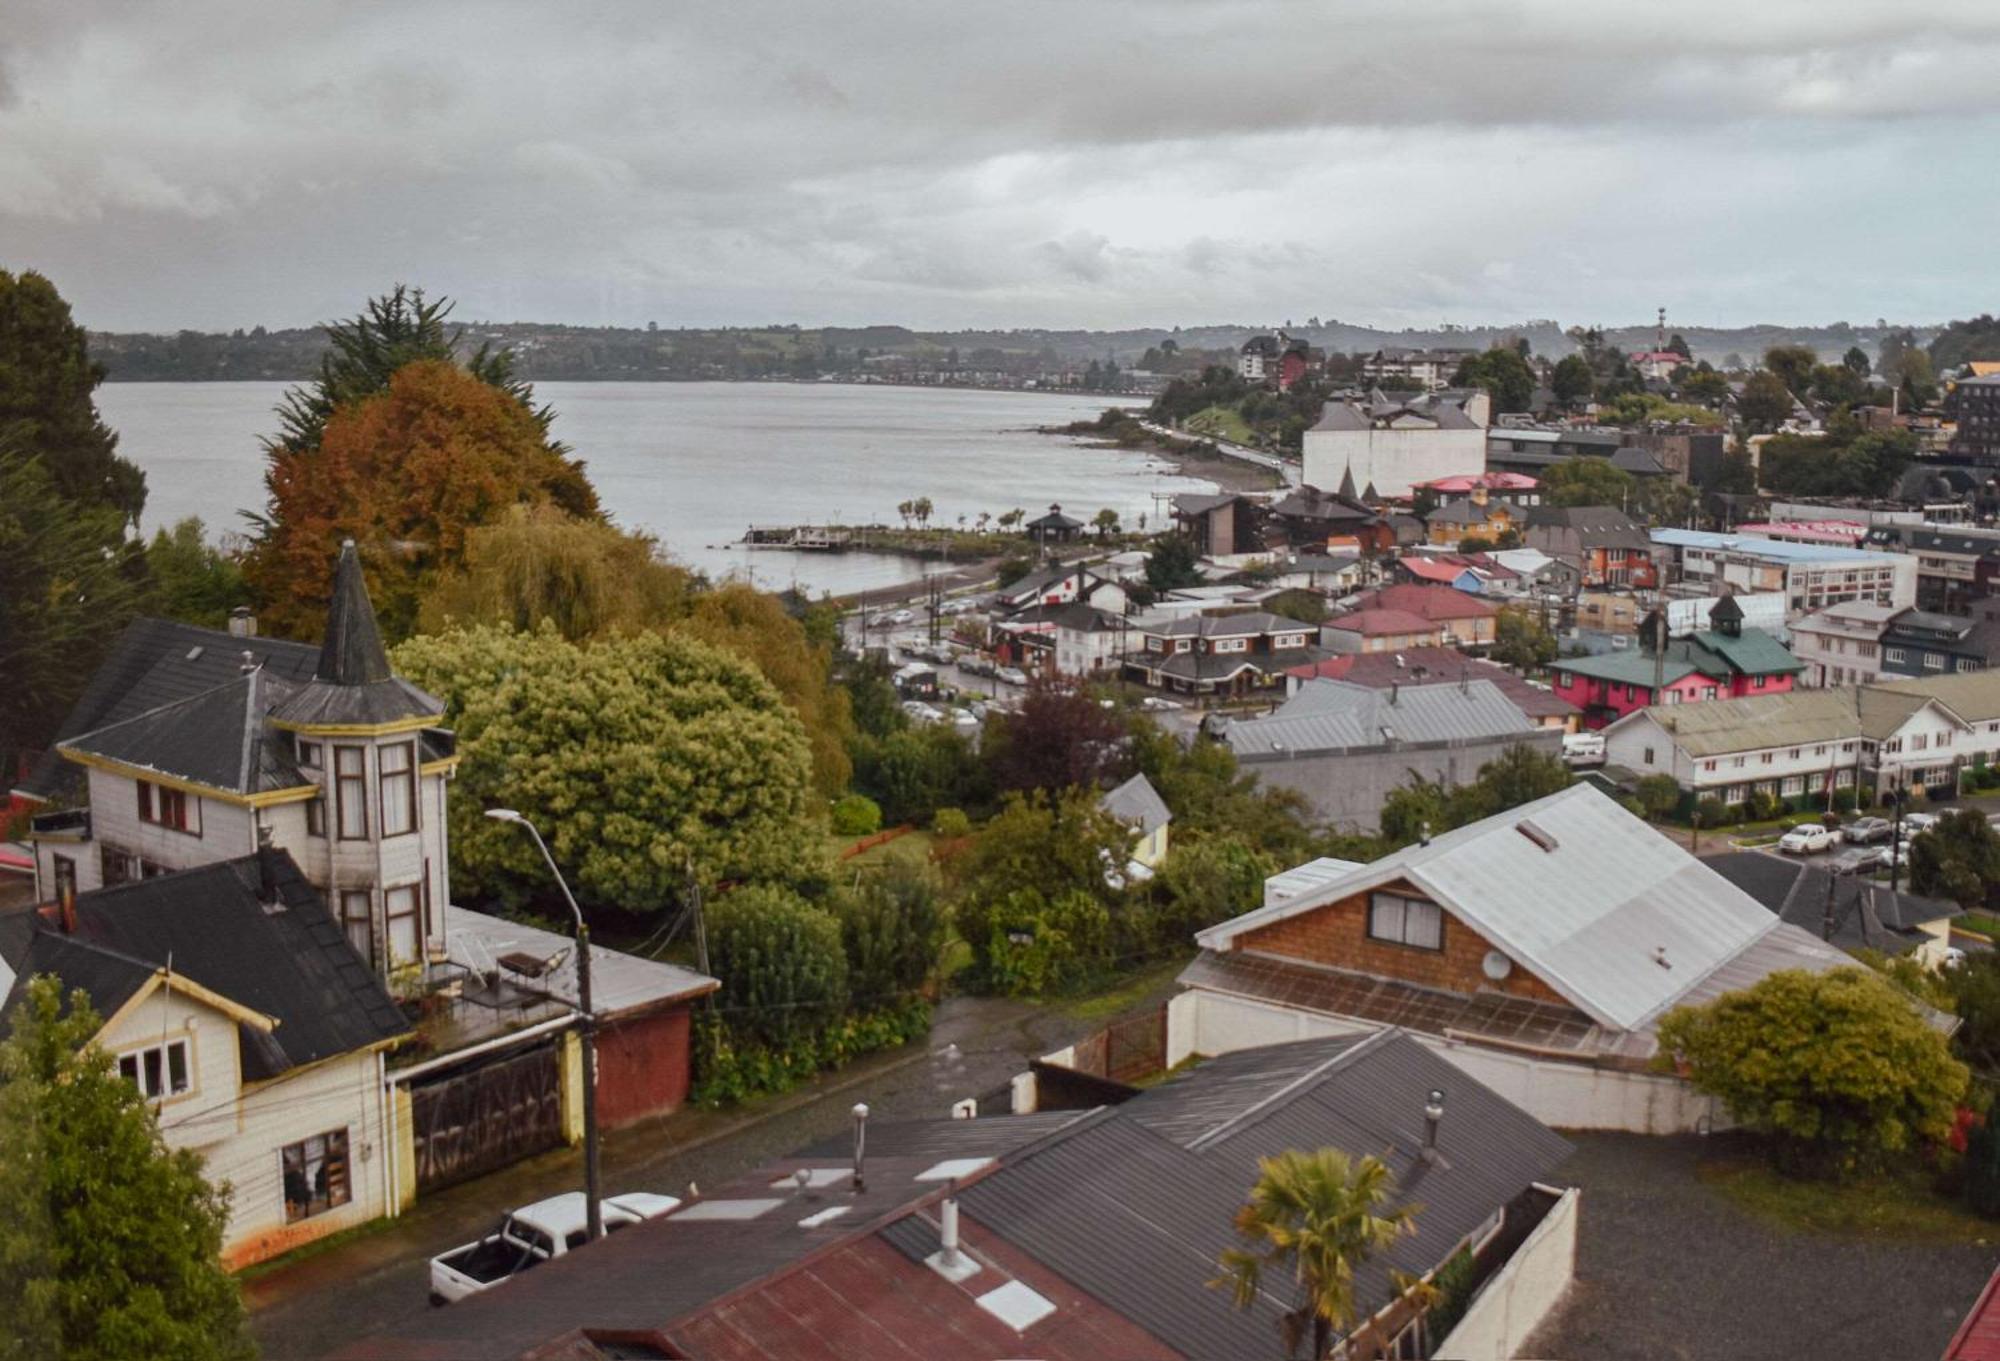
column 592, row 1192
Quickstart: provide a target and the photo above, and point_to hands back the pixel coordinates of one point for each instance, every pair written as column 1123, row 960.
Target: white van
column 1583, row 748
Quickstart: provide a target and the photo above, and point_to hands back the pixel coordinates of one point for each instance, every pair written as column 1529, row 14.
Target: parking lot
column 1846, row 858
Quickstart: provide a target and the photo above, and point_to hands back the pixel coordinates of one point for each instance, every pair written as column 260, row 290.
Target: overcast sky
column 943, row 163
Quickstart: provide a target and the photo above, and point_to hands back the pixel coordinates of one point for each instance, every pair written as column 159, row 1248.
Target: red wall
column 642, row 1066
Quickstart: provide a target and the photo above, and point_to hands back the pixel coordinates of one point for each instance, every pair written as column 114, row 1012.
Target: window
column 1933, row 661
column 309, row 753
column 158, row 1071
column 1764, row 758
column 1736, row 763
column 405, row 928
column 1794, row 753
column 357, row 919
column 1405, row 921
column 1865, row 649
column 1892, row 654
column 171, row 808
column 398, row 768
column 1757, row 683
column 1919, row 741
column 316, row 816
column 315, row 1175
column 1842, row 779
column 1967, row 664
column 1232, row 645
column 1793, row 784
column 1649, row 756
column 1708, row 766
column 350, row 778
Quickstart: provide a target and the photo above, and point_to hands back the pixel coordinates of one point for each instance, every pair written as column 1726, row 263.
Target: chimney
column 860, row 1142
column 267, row 869
column 1395, row 691
column 242, row 623
column 1433, row 1113
column 948, row 1234
column 67, row 904
column 246, row 663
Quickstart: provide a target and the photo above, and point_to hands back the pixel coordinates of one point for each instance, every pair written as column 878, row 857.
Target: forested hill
column 604, row 352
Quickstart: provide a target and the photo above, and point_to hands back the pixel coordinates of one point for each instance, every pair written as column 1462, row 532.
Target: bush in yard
column 1659, row 795
column 891, row 926
column 1843, row 800
column 782, row 965
column 1036, row 945
column 1841, row 1070
column 1204, row 882
column 1980, row 1172
column 1956, row 859
column 857, row 815
column 1712, row 811
column 1761, row 806
column 950, row 824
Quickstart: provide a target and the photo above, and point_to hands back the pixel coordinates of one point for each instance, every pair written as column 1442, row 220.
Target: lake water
column 697, row 463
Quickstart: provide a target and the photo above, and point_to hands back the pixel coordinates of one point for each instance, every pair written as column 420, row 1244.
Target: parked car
column 1159, row 703
column 1882, row 857
column 897, row 617
column 975, row 664
column 1867, row 831
column 532, row 1235
column 1011, row 675
column 1583, row 748
column 1808, row 838
column 1918, row 822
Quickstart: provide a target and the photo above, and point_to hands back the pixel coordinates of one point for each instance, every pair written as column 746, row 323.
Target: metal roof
column 1600, row 906
column 1137, row 803
column 1774, row 550
column 1287, row 884
column 619, row 982
column 1328, row 715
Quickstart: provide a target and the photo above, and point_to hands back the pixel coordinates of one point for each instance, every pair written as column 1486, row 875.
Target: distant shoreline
column 1136, row 398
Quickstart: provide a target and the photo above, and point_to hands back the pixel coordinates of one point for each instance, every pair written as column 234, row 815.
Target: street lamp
column 593, row 1211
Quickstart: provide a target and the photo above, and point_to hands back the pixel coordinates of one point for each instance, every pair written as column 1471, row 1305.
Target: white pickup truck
column 532, row 1235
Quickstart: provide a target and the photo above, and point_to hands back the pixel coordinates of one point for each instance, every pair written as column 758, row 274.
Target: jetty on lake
column 798, row 538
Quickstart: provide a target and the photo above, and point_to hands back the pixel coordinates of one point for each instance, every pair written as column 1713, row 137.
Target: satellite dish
column 1496, row 966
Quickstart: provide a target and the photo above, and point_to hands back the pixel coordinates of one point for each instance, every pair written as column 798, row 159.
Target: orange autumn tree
column 407, row 473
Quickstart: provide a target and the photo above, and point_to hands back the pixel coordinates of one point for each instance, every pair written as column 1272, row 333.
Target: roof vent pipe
column 242, row 623
column 948, row 1233
column 860, row 1142
column 1424, row 833
column 1433, row 1113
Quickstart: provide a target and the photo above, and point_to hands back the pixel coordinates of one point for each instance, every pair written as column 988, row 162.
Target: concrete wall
column 1346, row 789
column 1557, row 1092
column 1521, row 1294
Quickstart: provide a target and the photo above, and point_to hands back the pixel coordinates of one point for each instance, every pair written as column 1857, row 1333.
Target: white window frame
column 159, row 1082
column 1399, row 919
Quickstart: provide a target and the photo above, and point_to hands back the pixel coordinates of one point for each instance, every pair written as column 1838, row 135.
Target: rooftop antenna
column 1662, row 345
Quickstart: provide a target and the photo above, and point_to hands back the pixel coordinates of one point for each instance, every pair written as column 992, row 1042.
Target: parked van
column 1583, row 748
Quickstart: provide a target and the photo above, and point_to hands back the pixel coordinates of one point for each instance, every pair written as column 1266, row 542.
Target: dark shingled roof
column 352, row 684
column 351, row 652
column 216, row 738
column 270, row 947
column 1865, row 913
column 156, row 662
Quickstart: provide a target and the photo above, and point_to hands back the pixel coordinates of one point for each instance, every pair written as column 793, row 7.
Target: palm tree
column 1315, row 1215
column 904, row 509
column 922, row 508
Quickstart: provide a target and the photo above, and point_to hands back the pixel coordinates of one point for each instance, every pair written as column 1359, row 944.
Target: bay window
column 398, row 779
column 350, row 780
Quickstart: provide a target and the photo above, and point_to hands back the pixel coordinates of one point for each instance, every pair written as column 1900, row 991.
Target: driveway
column 1669, row 1270
column 314, row 1305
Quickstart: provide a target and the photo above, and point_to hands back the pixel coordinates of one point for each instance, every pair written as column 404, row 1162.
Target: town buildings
column 1956, row 565
column 1859, row 642
column 1605, row 545
column 1975, row 404
column 1842, row 644
column 1227, row 654
column 1378, row 617
column 1811, row 576
column 1888, row 735
column 1387, row 445
column 1427, row 370
column 1435, row 665
column 1723, row 661
column 1344, row 747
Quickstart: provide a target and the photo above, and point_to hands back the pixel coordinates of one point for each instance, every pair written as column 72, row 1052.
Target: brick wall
column 642, row 1066
column 1337, row 934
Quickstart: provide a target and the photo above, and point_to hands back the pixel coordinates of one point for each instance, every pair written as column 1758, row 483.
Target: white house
column 231, row 999
column 1393, row 443
column 1537, row 950
column 1842, row 644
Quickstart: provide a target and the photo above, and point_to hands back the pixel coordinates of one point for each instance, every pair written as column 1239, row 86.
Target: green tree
column 1765, row 402
column 1793, row 364
column 1916, row 375
column 1586, row 482
column 1172, row 563
column 1205, row 880
column 1519, row 775
column 1059, row 737
column 1975, row 999
column 1504, row 375
column 1315, row 1219
column 638, row 758
column 67, row 593
column 1678, row 345
column 1521, row 640
column 1838, row 1069
column 1960, row 343
column 1210, row 796
column 1957, row 858
column 191, row 578
column 1856, row 361
column 1573, row 381
column 1703, row 385
column 46, row 408
column 1659, row 795
column 781, row 963
column 109, row 1242
column 1839, row 385
column 1105, row 522
column 892, row 926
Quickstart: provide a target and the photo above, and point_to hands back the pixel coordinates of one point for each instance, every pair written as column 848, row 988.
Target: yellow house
column 1139, row 807
column 234, row 1002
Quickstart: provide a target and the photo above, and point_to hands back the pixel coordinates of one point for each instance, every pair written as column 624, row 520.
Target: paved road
column 1289, row 469
column 367, row 1285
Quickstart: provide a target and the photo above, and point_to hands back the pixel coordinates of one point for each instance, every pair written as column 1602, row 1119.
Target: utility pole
column 593, row 1191
column 1896, row 840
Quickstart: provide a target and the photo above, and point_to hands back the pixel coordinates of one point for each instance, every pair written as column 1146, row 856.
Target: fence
column 1124, row 1051
column 1521, row 1293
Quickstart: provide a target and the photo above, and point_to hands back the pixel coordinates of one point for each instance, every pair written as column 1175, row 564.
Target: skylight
column 951, row 1169
column 1018, row 1306
column 729, row 1209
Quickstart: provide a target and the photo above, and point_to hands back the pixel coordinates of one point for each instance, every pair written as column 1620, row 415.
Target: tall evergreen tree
column 46, row 381
column 108, row 1241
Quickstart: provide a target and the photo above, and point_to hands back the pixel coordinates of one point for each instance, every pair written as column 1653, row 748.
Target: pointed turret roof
column 351, row 653
column 1726, row 616
column 1347, row 483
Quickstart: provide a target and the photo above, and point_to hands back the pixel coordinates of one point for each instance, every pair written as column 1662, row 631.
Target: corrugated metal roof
column 1973, row 695
column 619, row 981
column 1137, row 803
column 1336, row 715
column 1287, row 884
column 1720, row 726
column 1593, row 916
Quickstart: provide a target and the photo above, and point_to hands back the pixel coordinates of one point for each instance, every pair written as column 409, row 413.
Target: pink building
column 1724, row 661
column 1839, row 533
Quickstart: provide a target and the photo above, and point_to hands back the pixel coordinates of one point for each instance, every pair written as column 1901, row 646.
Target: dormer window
column 311, row 754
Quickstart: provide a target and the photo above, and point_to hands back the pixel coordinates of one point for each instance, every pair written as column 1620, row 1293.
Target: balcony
column 454, row 1004
column 64, row 824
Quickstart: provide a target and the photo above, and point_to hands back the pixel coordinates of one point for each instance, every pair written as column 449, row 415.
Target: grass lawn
column 1221, row 422
column 1125, row 994
column 1984, row 924
column 914, row 845
column 1904, row 1209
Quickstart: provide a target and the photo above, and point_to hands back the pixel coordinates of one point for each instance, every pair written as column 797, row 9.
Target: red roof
column 1432, row 602
column 1430, row 569
column 1978, row 1338
column 1490, row 481
column 1374, row 623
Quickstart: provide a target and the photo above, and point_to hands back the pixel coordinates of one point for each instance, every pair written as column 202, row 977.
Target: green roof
column 1716, row 655
column 1753, row 652
column 1628, row 668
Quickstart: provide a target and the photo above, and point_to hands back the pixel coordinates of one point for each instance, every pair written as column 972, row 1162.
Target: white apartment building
column 1811, row 576
column 1390, row 444
column 1842, row 644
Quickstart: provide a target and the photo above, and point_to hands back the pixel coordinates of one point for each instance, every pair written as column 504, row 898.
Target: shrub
column 951, row 823
column 1981, row 1169
column 1712, row 812
column 1840, row 1069
column 1011, row 569
column 782, row 965
column 891, row 926
column 1036, row 945
column 1843, row 800
column 857, row 815
column 1658, row 795
column 1761, row 806
column 729, row 1068
column 1201, row 883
